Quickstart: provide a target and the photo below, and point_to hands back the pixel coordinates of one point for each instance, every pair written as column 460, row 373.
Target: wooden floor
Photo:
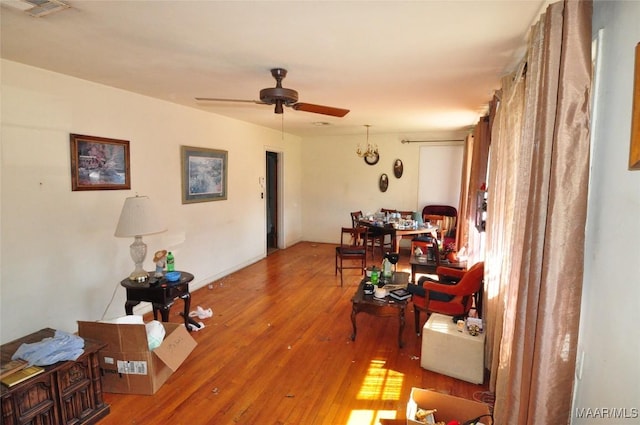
column 278, row 351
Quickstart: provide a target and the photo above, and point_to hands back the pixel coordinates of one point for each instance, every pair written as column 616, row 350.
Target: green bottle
column 170, row 262
column 374, row 277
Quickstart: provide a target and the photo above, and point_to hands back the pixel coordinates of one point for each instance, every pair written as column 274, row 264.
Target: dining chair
column 355, row 217
column 377, row 239
column 407, row 215
column 352, row 251
column 445, row 217
column 428, row 244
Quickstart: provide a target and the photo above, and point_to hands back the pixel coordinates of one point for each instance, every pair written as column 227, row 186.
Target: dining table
column 398, row 232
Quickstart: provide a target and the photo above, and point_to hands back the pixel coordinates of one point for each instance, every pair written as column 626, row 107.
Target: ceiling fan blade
column 320, row 109
column 215, row 99
column 281, row 96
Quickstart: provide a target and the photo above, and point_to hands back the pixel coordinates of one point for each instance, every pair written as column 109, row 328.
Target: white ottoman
column 447, row 351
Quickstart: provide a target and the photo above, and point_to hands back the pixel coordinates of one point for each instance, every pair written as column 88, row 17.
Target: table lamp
column 138, row 218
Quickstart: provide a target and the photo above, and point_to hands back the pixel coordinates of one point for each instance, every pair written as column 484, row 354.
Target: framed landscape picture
column 204, row 174
column 98, row 163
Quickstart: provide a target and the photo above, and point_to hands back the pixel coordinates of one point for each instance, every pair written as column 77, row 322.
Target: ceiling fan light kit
column 281, row 96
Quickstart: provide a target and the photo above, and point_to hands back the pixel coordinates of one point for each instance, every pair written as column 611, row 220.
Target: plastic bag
column 61, row 347
column 155, row 334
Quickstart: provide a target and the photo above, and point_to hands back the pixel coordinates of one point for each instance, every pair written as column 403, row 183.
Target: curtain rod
column 431, row 141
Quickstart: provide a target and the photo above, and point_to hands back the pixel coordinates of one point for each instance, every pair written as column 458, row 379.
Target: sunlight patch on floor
column 369, row 417
column 381, row 383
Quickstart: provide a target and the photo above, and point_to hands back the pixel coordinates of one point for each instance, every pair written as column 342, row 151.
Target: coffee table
column 387, row 307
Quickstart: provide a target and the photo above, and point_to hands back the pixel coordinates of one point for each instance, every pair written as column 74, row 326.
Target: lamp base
column 139, row 276
column 138, row 250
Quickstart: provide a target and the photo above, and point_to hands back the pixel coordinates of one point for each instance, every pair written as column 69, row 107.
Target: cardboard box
column 448, row 408
column 126, row 364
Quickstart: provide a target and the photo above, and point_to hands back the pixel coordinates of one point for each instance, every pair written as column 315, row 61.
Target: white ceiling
column 400, row 66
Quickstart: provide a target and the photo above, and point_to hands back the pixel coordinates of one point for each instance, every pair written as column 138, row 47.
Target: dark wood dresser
column 67, row 393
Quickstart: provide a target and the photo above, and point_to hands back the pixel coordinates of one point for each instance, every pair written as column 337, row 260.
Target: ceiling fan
column 281, row 96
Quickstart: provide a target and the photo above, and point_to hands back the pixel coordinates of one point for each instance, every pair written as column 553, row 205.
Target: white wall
column 440, row 174
column 609, row 332
column 60, row 261
column 337, row 181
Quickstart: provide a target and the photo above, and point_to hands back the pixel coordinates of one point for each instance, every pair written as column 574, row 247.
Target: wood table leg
column 155, row 312
column 380, row 310
column 128, row 306
column 396, row 243
column 354, row 311
column 187, row 305
column 164, row 311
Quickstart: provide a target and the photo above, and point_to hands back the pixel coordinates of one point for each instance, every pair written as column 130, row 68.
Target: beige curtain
column 537, row 209
column 478, row 160
column 463, row 220
column 500, row 249
column 474, row 175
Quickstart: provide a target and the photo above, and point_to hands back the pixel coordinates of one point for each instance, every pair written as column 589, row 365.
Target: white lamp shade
column 138, row 217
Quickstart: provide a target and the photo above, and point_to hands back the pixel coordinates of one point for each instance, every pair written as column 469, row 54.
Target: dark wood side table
column 160, row 293
column 363, row 303
column 68, row 392
column 423, row 265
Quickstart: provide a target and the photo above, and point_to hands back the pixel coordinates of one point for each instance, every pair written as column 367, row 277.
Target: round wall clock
column 372, row 159
column 398, row 168
column 383, row 183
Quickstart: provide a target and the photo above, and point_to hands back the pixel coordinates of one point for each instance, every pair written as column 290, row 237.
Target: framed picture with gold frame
column 99, row 163
column 634, row 150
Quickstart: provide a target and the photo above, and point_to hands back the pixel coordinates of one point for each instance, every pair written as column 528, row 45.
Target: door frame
column 279, row 216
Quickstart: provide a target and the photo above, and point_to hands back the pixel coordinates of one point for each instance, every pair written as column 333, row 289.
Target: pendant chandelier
column 370, row 154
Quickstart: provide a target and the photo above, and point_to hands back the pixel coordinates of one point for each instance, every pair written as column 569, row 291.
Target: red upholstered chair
column 452, row 294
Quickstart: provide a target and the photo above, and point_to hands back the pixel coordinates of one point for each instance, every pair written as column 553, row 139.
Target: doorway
column 271, row 187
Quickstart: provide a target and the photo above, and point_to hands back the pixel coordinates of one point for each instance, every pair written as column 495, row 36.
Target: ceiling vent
column 38, row 8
